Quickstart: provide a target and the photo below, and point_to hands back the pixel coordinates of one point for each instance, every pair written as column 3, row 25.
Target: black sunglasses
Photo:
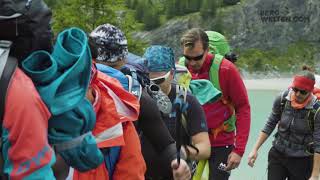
column 197, row 58
column 303, row 92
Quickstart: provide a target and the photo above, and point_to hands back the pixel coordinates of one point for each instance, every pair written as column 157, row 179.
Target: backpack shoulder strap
column 312, row 114
column 134, row 85
column 283, row 100
column 182, row 90
column 5, row 79
column 214, row 70
column 7, row 67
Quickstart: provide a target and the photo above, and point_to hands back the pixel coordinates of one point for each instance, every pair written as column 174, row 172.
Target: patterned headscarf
column 159, row 58
column 110, row 42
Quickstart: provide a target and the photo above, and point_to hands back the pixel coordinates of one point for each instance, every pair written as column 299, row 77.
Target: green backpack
column 218, row 44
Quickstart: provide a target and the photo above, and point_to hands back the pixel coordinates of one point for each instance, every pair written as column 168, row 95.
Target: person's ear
column 171, row 74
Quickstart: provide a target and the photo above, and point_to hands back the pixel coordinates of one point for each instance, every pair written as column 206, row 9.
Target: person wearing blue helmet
column 194, row 137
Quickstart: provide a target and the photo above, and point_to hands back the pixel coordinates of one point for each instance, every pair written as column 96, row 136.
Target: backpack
column 310, row 118
column 27, row 25
column 22, row 21
column 136, row 67
column 311, row 113
column 133, row 76
column 218, row 44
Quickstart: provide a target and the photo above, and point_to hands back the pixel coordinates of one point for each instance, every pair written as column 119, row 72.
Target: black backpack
column 27, row 23
column 311, row 113
column 25, row 27
column 311, row 116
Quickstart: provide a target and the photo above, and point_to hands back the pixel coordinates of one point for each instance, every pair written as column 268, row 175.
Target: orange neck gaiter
column 297, row 105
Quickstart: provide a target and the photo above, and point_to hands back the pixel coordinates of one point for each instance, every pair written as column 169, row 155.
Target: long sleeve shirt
column 233, row 89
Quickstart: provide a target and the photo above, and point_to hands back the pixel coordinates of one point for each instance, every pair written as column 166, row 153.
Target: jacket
column 233, row 89
column 294, row 132
column 26, row 152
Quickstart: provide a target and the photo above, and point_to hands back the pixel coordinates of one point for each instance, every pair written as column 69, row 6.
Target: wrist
column 191, row 152
column 240, row 153
column 315, row 175
column 314, row 178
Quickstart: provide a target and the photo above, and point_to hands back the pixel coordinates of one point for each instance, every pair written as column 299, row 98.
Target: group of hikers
column 87, row 109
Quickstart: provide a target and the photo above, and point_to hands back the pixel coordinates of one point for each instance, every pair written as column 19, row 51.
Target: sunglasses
column 161, row 79
column 303, row 92
column 197, row 58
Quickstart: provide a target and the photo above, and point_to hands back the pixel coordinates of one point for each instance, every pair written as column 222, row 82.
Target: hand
column 314, row 178
column 233, row 161
column 252, row 157
column 60, row 168
column 182, row 171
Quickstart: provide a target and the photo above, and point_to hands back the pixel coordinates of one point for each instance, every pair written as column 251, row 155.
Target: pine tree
column 140, row 10
column 194, row 5
column 128, row 3
column 170, row 8
column 134, row 4
column 151, row 19
column 208, row 8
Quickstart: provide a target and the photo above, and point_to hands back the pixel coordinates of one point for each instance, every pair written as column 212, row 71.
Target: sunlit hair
column 307, row 72
column 194, row 35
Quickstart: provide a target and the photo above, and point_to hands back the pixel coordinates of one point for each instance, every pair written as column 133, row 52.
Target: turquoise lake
column 261, row 104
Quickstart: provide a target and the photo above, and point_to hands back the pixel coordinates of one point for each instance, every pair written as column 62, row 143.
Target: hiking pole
column 178, row 130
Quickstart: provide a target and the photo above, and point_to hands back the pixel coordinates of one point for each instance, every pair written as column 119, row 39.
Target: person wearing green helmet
column 231, row 113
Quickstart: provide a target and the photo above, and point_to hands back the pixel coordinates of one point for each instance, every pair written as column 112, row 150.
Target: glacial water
column 261, row 103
